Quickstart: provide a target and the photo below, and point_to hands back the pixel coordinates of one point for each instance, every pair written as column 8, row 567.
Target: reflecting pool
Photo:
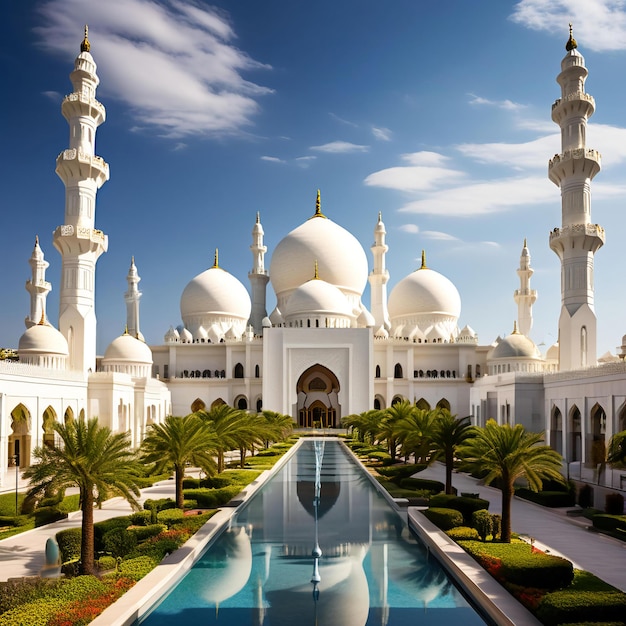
column 317, row 544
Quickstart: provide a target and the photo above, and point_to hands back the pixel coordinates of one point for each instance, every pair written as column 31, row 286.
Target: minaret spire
column 79, row 242
column 525, row 297
column 38, row 287
column 578, row 239
column 379, row 277
column 132, row 297
column 258, row 278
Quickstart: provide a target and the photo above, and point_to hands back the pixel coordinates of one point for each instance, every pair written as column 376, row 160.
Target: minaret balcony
column 580, row 162
column 588, row 237
column 73, row 164
column 532, row 293
column 71, row 239
column 80, row 105
column 573, row 104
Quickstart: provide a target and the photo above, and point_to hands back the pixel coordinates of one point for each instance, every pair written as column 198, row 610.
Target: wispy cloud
column 438, row 235
column 600, row 24
column 55, row 96
column 508, row 105
column 382, row 134
column 340, row 147
column 305, row 161
column 149, row 52
column 180, row 146
column 272, row 159
column 342, row 120
column 410, row 228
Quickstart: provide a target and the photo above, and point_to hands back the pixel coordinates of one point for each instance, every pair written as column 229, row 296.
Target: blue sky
column 435, row 113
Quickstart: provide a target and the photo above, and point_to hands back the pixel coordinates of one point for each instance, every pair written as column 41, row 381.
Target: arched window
column 242, row 403
column 443, row 404
column 422, row 404
column 396, row 399
column 477, row 370
column 223, row 374
column 378, row 371
column 238, row 371
column 257, row 371
column 259, row 405
column 397, row 371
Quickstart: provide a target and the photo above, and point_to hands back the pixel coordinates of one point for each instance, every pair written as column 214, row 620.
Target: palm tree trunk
column 179, row 475
column 507, row 496
column 449, row 465
column 87, row 534
column 220, row 461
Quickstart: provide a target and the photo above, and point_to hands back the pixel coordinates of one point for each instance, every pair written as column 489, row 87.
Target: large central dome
column 339, row 256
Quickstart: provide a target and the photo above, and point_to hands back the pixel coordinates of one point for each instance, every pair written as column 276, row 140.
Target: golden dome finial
column 424, row 266
column 515, row 331
column 258, row 217
column 216, row 259
column 571, row 42
column 126, row 329
column 318, row 206
column 85, row 46
column 316, row 274
column 42, row 321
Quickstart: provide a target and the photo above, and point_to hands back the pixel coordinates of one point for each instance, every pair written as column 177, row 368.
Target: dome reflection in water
column 317, row 545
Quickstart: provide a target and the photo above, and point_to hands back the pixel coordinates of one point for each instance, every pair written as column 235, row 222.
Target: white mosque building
column 322, row 353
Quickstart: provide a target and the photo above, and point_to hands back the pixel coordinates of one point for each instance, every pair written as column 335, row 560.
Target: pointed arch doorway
column 318, row 403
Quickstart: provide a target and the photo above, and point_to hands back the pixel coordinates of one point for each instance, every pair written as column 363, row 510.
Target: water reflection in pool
column 317, row 545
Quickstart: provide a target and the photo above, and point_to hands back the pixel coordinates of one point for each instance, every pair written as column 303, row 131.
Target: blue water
column 372, row 570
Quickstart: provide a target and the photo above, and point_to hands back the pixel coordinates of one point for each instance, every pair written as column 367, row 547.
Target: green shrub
column 164, row 543
column 552, row 499
column 19, row 591
column 234, row 476
column 398, row 472
column 13, row 520
column 570, row 605
column 47, row 515
column 190, row 504
column 107, row 563
column 77, row 588
column 614, row 503
column 161, row 504
column 140, row 518
column 119, row 542
column 35, row 613
column 170, row 516
column 138, row 567
column 379, row 455
column 69, row 504
column 69, row 541
column 496, row 525
column 191, row 524
column 603, row 521
column 585, row 496
column 269, row 452
column 102, row 528
column 463, row 533
column 212, row 498
column 466, row 506
column 483, row 523
column 469, row 495
column 145, row 532
column 444, row 518
column 433, row 486
column 7, row 503
column 191, row 483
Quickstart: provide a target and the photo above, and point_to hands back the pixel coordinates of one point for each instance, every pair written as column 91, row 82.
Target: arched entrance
column 575, row 437
column 318, row 403
column 596, row 447
column 49, row 418
column 19, row 439
column 556, row 430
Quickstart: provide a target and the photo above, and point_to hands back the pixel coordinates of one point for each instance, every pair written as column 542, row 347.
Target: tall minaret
column 525, row 297
column 132, row 297
column 258, row 277
column 379, row 277
column 38, row 287
column 78, row 241
column 578, row 239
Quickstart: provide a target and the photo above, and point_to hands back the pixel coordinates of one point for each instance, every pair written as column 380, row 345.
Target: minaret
column 132, row 297
column 78, row 241
column 379, row 277
column 258, row 277
column 578, row 239
column 38, row 287
column 525, row 297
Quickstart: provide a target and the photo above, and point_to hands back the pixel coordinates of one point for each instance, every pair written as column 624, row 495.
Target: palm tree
column 507, row 453
column 448, row 435
column 364, row 424
column 100, row 463
column 179, row 441
column 415, row 434
column 234, row 429
column 389, row 427
column 617, row 450
column 278, row 426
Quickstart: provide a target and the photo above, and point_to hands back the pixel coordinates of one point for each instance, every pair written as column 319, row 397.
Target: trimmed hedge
column 521, row 566
column 145, row 532
column 119, row 542
column 568, row 605
column 13, row 520
column 444, row 518
column 465, row 505
column 47, row 515
column 212, row 498
column 137, row 568
column 551, row 499
column 462, row 533
column 161, row 505
column 433, row 486
column 69, row 541
column 612, row 523
column 397, row 472
column 102, row 528
column 170, row 516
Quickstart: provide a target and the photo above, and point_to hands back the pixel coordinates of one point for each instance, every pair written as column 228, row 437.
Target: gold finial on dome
column 125, row 329
column 258, row 217
column 85, row 46
column 42, row 321
column 316, row 274
column 318, row 206
column 424, row 266
column 216, row 259
column 515, row 331
column 571, row 42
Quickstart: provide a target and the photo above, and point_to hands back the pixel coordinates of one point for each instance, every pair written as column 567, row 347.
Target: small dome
column 276, row 317
column 381, row 333
column 185, row 336
column 172, row 336
column 127, row 349
column 266, row 322
column 317, row 297
column 553, row 352
column 42, row 339
column 515, row 346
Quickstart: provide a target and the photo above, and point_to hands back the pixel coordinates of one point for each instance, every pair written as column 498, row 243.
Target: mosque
column 322, row 353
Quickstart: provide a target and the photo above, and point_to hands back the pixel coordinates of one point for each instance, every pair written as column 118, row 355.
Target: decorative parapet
column 573, row 97
column 35, row 371
column 606, row 369
column 577, row 153
column 72, row 154
column 589, row 230
column 80, row 232
column 87, row 100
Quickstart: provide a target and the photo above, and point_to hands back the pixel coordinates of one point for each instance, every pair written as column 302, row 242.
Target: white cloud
column 425, row 157
column 509, row 105
column 55, row 96
column 272, row 159
column 410, row 228
column 600, row 24
column 482, row 198
column 180, row 146
column 382, row 134
column 305, row 161
column 340, row 147
column 341, row 120
column 439, row 236
column 149, row 52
